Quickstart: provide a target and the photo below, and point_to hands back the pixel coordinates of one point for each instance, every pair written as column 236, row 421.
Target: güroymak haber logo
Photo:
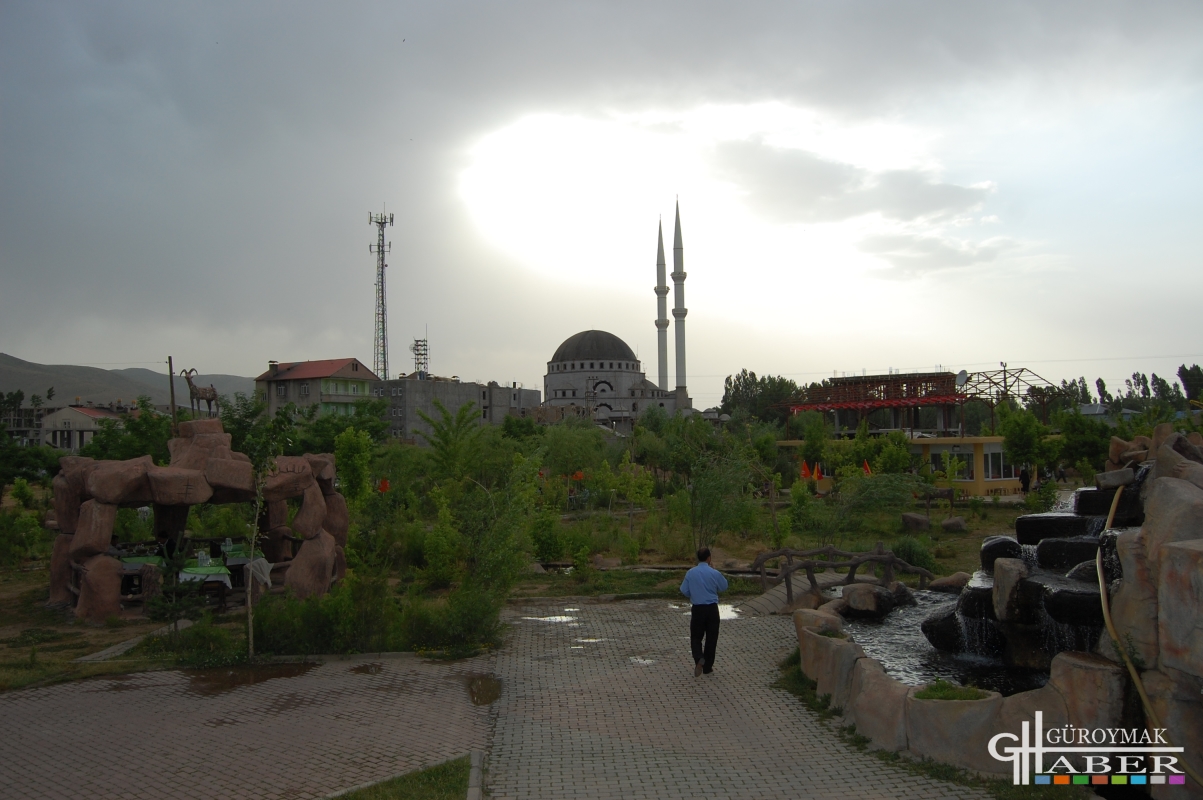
column 1109, row 755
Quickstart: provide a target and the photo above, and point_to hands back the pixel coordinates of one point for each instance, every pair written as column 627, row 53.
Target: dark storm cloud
column 190, row 169
column 797, row 186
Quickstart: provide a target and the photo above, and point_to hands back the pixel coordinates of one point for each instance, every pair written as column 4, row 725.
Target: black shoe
column 707, row 671
column 697, row 669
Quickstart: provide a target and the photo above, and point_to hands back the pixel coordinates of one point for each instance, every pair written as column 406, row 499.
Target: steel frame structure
column 380, row 337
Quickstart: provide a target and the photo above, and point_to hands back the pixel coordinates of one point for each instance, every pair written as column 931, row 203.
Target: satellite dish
column 962, row 378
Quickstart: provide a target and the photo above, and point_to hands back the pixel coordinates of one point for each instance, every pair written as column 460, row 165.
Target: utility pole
column 380, row 338
column 175, row 426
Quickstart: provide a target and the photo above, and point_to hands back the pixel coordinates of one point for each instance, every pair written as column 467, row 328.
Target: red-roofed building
column 335, row 383
column 72, row 427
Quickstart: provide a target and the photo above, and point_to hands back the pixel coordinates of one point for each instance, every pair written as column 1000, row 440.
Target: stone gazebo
column 86, row 570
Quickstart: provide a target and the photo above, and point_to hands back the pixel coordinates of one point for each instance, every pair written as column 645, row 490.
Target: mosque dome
column 593, row 344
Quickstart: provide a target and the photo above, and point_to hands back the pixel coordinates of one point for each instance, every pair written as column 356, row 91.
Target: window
column 281, row 390
column 591, row 365
column 355, row 366
column 67, row 423
column 611, row 365
column 355, row 388
column 305, row 389
column 484, row 413
column 484, row 395
column 574, row 392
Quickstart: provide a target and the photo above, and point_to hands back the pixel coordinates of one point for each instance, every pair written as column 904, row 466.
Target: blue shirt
column 702, row 584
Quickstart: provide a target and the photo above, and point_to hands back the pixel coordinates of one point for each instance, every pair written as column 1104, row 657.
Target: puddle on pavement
column 590, row 641
column 725, row 610
column 208, row 682
column 577, row 647
column 116, row 683
column 368, row 669
column 483, row 688
column 642, row 662
column 556, row 618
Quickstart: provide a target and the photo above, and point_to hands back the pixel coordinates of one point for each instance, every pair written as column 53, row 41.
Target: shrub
column 1042, row 499
column 914, row 552
column 441, row 549
column 21, row 538
column 460, row 624
column 545, row 536
column 22, row 493
column 359, row 615
column 1086, row 471
column 200, row 646
column 582, row 566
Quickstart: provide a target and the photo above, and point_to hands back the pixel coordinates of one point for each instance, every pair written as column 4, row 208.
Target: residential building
column 72, row 427
column 492, row 402
column 334, row 383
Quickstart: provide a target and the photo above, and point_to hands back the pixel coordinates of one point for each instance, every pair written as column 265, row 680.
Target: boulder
column 1114, row 479
column 995, row 547
column 915, row 522
column 1097, row 503
column 175, row 486
column 291, row 478
column 276, row 546
column 951, row 584
column 828, row 661
column 1190, row 472
column 193, row 427
column 1133, row 604
column 94, row 533
column 809, row 618
column 901, row 594
column 337, row 520
column 1087, row 571
column 867, row 600
column 1168, row 460
column 1186, row 448
column 877, row 705
column 1180, row 604
column 977, row 598
column 1093, row 689
column 1173, row 513
column 1022, row 707
column 954, row 732
column 231, row 476
column 1195, row 438
column 942, row 628
column 69, row 492
column 274, row 515
column 193, row 452
column 1061, row 554
column 99, row 589
column 1008, row 574
column 308, row 521
column 835, row 606
column 50, row 520
column 802, row 600
column 340, row 563
column 1111, row 466
column 60, row 571
column 117, row 482
column 1134, row 457
column 1065, row 601
column 313, row 566
column 1023, row 646
column 1117, row 448
column 1175, row 698
column 322, row 466
column 1160, row 434
column 1032, row 528
column 953, row 524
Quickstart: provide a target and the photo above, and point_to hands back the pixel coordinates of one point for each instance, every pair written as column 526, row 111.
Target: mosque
column 595, row 374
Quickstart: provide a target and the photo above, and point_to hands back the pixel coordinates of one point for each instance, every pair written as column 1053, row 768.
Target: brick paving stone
column 163, row 734
column 599, row 700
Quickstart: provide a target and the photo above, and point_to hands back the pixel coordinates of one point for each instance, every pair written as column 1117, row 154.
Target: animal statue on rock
column 198, row 393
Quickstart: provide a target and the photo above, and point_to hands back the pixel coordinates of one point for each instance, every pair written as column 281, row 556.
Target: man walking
column 702, row 586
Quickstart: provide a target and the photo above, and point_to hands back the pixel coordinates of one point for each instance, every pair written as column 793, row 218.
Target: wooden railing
column 850, row 561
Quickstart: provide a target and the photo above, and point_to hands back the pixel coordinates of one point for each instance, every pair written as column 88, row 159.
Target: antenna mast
column 380, row 339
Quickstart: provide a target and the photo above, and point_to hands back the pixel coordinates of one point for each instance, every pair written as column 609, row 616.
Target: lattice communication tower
column 421, row 350
column 380, row 339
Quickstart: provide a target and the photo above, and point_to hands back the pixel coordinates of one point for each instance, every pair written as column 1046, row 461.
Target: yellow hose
column 1119, row 646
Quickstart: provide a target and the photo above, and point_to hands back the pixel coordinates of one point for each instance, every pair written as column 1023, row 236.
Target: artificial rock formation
column 203, row 469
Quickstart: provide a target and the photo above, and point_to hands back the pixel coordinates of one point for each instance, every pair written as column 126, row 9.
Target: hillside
column 104, row 385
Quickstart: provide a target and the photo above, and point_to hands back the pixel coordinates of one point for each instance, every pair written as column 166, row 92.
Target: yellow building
column 985, row 470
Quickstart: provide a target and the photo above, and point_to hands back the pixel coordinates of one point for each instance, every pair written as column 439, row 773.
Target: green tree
column 1192, row 381
column 353, row 454
column 441, row 548
column 316, row 432
column 36, row 463
column 141, row 432
column 1024, row 437
column 764, row 398
column 1083, row 438
column 453, row 439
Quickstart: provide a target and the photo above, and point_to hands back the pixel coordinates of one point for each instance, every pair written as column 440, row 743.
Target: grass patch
column 661, row 583
column 442, row 782
column 943, row 690
column 796, row 683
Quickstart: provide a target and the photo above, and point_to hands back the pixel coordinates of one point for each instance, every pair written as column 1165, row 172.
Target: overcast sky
column 862, row 185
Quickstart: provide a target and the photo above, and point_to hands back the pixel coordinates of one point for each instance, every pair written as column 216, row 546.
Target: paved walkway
column 306, row 733
column 599, row 701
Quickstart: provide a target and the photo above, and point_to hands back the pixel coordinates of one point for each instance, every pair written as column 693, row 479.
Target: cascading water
column 1029, row 556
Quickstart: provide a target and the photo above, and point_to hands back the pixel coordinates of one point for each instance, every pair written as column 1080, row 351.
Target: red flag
column 383, row 485
column 805, row 470
column 578, row 476
column 818, row 471
column 865, row 467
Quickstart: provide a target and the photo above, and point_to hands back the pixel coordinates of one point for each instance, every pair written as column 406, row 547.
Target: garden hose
column 1140, row 687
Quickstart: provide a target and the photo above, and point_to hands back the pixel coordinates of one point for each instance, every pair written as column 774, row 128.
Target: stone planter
column 877, row 705
column 828, row 662
column 954, row 732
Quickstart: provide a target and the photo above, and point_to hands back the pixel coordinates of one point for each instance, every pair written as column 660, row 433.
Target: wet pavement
column 600, row 701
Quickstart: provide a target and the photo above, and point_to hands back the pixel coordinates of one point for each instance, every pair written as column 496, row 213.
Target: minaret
column 679, row 311
column 661, row 311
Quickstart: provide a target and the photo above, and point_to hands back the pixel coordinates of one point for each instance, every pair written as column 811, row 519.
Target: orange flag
column 805, row 470
column 865, row 467
column 818, row 471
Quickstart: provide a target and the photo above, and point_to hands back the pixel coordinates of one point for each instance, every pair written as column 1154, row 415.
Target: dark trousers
column 703, row 624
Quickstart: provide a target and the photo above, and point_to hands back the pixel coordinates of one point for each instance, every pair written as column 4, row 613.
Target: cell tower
column 421, row 350
column 380, row 340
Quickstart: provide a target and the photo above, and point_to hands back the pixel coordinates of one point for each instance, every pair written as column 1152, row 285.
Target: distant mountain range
column 104, row 386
